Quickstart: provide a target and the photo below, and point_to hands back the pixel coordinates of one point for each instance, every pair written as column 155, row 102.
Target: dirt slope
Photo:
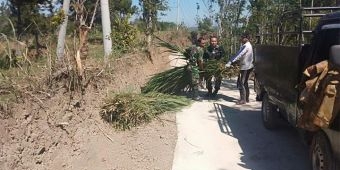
column 64, row 132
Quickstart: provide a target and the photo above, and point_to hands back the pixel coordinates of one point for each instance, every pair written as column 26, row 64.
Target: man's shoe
column 209, row 94
column 214, row 94
column 241, row 102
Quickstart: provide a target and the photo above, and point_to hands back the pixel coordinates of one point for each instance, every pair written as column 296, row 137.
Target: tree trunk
column 62, row 32
column 149, row 28
column 221, row 18
column 106, row 24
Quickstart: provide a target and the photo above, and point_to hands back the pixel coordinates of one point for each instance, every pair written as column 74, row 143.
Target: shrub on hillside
column 124, row 34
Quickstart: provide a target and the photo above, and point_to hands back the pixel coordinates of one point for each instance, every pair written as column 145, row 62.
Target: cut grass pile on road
column 127, row 110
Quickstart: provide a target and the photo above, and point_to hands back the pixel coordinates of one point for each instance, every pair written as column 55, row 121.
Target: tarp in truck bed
column 320, row 96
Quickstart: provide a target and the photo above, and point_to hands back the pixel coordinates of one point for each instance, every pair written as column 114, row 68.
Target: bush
column 123, row 35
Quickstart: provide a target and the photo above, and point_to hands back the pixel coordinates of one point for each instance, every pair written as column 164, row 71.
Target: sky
column 187, row 11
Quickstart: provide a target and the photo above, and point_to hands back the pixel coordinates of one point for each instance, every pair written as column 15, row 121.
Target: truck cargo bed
column 278, row 68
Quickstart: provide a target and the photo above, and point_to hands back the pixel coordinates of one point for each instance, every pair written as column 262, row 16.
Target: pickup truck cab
column 278, row 71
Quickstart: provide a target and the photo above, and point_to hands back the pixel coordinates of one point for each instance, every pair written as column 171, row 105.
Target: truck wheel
column 258, row 98
column 257, row 90
column 321, row 153
column 270, row 115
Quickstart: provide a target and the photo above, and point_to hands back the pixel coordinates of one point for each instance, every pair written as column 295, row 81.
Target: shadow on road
column 227, row 98
column 232, row 83
column 262, row 149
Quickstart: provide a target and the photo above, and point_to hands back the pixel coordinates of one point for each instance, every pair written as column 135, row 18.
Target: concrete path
column 219, row 135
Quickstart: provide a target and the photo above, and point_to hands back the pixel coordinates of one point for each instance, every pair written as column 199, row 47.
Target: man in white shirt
column 245, row 56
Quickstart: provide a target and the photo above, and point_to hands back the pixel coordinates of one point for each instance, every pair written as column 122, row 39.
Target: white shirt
column 245, row 55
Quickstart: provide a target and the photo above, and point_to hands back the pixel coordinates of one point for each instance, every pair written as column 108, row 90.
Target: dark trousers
column 242, row 84
column 218, row 80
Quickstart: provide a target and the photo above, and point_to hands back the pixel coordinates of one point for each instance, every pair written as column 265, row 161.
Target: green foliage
column 152, row 7
column 58, row 19
column 172, row 81
column 124, row 34
column 165, row 26
column 139, row 24
column 205, row 26
column 128, row 110
column 122, row 8
column 28, row 18
column 160, row 25
column 150, row 12
column 216, row 68
column 232, row 23
column 269, row 16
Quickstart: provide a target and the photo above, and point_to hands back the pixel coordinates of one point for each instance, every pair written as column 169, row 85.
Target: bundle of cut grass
column 128, row 110
column 214, row 67
column 172, row 81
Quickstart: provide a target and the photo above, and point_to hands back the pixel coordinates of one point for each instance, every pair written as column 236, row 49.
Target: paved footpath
column 220, row 135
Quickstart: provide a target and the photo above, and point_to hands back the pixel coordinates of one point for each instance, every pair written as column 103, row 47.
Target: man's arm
column 240, row 54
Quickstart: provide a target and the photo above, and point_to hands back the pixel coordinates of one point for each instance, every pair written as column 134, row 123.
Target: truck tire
column 258, row 98
column 321, row 153
column 258, row 90
column 269, row 113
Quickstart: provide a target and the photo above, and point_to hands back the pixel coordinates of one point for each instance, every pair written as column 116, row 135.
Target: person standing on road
column 195, row 64
column 245, row 56
column 213, row 52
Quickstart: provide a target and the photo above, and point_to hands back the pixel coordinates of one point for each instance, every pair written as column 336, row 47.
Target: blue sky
column 187, row 11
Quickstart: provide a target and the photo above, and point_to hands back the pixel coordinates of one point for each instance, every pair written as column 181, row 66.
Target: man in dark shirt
column 213, row 52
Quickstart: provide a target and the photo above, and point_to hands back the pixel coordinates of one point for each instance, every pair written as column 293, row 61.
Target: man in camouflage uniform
column 196, row 64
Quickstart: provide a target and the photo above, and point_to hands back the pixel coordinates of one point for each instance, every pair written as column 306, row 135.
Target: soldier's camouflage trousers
column 194, row 77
